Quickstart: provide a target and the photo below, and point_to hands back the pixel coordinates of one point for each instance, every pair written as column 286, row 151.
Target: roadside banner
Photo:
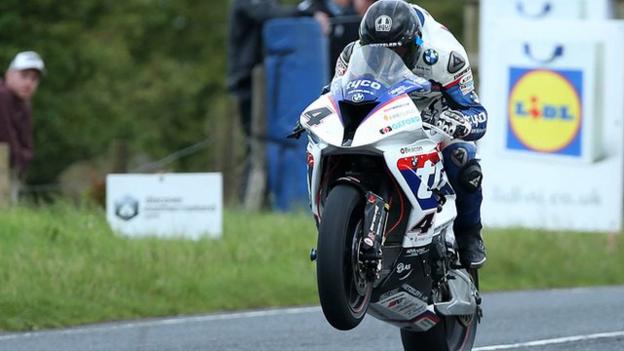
column 553, row 156
column 188, row 205
column 552, row 80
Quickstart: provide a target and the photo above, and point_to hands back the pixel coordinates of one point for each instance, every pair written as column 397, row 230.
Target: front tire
column 343, row 290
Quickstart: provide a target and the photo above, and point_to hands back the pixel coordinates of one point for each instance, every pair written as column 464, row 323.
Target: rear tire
column 453, row 333
column 343, row 290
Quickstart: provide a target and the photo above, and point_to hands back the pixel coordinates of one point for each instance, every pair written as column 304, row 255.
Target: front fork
column 375, row 219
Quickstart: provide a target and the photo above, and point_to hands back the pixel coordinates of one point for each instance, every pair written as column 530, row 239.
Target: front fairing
column 376, row 85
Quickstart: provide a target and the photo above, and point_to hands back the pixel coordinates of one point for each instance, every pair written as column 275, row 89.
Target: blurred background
column 130, row 83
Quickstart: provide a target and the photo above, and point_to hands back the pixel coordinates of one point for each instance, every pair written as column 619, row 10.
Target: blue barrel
column 296, row 64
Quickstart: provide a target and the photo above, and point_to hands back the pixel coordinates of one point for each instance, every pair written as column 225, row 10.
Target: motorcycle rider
column 432, row 52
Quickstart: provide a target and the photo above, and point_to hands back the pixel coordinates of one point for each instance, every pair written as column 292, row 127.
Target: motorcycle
column 384, row 208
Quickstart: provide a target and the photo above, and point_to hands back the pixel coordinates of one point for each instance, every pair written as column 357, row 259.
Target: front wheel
column 344, row 292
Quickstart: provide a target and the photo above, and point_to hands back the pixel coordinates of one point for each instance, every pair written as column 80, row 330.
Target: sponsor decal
column 430, row 57
column 413, row 252
column 397, row 115
column 462, row 73
column 404, row 123
column 398, row 90
column 388, row 294
column 427, row 322
column 466, row 84
column 402, row 267
column 357, row 97
column 383, row 23
column 398, row 125
column 410, row 149
column 127, row 208
column 363, row 83
column 477, row 119
column 385, row 130
column 456, row 62
column 545, row 111
column 341, row 67
column 403, row 110
column 405, row 305
column 422, row 173
column 423, row 68
column 405, row 104
column 413, row 291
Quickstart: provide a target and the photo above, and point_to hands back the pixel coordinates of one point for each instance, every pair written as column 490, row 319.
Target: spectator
column 16, row 91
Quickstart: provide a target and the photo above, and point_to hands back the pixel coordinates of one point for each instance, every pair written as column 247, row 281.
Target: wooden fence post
column 5, row 176
column 257, row 179
column 471, row 32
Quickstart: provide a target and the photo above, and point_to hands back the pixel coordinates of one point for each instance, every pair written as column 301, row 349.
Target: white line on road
column 277, row 312
column 545, row 342
column 163, row 322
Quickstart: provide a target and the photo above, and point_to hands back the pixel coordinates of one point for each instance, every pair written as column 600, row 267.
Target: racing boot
column 471, row 247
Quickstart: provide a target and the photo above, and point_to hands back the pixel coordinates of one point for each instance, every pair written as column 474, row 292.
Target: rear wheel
column 453, row 333
column 344, row 292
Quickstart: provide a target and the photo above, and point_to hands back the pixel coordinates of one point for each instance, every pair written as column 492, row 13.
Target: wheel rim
column 359, row 290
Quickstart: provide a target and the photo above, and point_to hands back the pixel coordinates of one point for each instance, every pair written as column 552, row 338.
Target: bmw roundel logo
column 357, row 97
column 430, row 57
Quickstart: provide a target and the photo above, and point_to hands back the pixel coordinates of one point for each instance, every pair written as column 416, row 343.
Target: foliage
column 145, row 71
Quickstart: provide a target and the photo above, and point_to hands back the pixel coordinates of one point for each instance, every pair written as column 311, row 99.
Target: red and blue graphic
column 545, row 110
column 422, row 173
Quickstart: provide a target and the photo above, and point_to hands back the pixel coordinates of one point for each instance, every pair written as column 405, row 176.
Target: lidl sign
column 545, row 111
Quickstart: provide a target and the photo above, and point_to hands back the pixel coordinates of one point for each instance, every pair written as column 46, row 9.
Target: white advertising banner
column 545, row 10
column 553, row 156
column 187, row 205
column 523, row 14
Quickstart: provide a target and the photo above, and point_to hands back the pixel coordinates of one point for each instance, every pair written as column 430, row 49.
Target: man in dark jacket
column 247, row 18
column 245, row 50
column 245, row 47
column 16, row 91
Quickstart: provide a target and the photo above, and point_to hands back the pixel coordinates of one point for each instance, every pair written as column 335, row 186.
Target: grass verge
column 61, row 265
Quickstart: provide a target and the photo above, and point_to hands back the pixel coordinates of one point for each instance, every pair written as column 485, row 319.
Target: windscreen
column 372, row 71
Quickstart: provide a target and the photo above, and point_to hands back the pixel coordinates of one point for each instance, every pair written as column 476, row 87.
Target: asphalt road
column 571, row 319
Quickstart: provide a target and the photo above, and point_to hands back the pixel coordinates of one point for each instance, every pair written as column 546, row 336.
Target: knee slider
column 470, row 176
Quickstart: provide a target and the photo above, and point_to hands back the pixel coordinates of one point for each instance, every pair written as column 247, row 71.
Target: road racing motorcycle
column 384, row 208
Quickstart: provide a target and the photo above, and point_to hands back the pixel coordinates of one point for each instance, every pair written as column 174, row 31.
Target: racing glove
column 453, row 123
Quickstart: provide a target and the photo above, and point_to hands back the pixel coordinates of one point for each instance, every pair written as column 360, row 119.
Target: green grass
column 61, row 265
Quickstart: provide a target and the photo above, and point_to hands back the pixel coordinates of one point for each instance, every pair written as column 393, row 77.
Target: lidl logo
column 545, row 111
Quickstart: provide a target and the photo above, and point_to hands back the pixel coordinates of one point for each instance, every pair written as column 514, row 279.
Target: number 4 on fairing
column 424, row 225
column 316, row 116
